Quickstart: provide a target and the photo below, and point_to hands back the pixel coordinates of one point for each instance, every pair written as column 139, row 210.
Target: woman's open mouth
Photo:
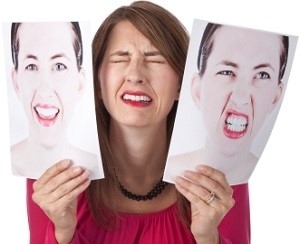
column 46, row 114
column 235, row 125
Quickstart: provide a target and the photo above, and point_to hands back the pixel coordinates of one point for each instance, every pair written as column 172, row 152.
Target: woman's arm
column 55, row 193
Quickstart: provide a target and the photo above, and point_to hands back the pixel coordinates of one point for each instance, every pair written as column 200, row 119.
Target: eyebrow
column 235, row 65
column 152, row 53
column 59, row 55
column 31, row 56
column 228, row 63
column 266, row 65
column 126, row 53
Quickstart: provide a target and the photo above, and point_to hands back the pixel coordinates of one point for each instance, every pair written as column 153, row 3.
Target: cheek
column 213, row 98
column 168, row 83
column 263, row 99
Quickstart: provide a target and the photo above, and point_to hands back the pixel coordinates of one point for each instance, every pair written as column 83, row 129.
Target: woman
column 238, row 85
column 49, row 80
column 139, row 54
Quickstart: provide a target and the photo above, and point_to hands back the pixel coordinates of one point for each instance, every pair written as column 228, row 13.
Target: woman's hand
column 56, row 192
column 211, row 198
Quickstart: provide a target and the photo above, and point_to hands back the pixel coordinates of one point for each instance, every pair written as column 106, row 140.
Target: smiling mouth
column 46, row 113
column 137, row 98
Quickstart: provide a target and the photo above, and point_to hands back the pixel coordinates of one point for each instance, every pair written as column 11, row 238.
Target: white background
column 275, row 182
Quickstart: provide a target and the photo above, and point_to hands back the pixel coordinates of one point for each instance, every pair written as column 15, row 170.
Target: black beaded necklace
column 154, row 192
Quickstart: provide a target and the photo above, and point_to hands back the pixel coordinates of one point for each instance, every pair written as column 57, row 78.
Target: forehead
column 45, row 35
column 246, row 37
column 234, row 42
column 126, row 35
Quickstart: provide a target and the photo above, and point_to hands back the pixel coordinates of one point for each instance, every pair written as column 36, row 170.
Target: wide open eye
column 31, row 67
column 59, row 67
column 262, row 75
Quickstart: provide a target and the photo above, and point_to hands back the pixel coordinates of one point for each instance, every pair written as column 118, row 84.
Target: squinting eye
column 119, row 61
column 60, row 66
column 226, row 72
column 31, row 67
column 158, row 61
column 262, row 75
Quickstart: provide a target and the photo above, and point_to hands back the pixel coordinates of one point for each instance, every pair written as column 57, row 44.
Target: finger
column 195, row 193
column 70, row 190
column 50, row 173
column 203, row 185
column 64, row 177
column 216, row 175
column 183, row 188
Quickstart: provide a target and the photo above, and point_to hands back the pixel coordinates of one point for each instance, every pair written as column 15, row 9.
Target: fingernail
column 66, row 162
column 202, row 168
column 178, row 179
column 77, row 169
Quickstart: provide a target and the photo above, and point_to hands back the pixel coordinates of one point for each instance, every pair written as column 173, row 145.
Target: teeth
column 137, row 98
column 236, row 123
column 47, row 113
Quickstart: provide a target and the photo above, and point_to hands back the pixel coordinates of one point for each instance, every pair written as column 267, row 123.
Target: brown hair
column 170, row 37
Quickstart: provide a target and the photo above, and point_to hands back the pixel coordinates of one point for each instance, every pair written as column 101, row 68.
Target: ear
column 15, row 83
column 81, row 84
column 278, row 95
column 196, row 89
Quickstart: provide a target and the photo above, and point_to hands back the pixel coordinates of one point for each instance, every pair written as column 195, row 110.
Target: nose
column 241, row 94
column 45, row 85
column 135, row 71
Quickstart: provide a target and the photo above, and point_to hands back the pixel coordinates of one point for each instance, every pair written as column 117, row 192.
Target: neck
column 237, row 166
column 140, row 155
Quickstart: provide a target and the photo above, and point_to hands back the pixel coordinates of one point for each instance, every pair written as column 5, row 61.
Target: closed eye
column 156, row 60
column 119, row 60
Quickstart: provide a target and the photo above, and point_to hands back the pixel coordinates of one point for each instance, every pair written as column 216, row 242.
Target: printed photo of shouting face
column 237, row 85
column 49, row 81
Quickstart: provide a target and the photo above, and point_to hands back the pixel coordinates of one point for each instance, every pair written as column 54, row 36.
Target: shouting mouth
column 46, row 115
column 235, row 125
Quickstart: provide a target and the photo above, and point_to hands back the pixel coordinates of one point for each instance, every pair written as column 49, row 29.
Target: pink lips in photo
column 46, row 114
column 235, row 125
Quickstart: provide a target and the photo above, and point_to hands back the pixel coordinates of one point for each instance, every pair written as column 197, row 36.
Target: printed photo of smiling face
column 237, row 86
column 49, row 80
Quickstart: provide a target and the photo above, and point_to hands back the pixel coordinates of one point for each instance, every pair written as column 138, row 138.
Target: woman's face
column 239, row 87
column 47, row 81
column 138, row 86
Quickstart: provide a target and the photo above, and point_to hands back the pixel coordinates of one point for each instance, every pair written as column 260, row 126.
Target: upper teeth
column 236, row 123
column 137, row 98
column 47, row 112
